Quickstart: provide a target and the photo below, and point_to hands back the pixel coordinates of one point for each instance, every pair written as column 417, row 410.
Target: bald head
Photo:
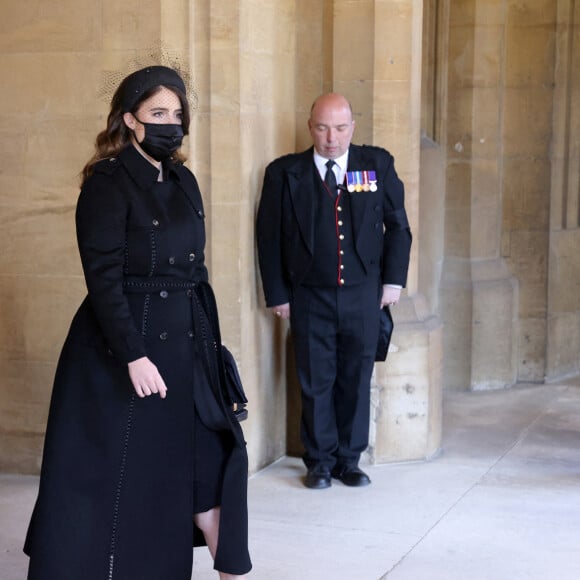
column 331, row 125
column 333, row 100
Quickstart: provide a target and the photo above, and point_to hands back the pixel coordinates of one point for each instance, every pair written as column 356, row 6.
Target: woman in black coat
column 141, row 439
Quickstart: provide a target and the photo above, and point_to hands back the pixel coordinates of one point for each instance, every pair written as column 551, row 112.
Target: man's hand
column 390, row 295
column 281, row 311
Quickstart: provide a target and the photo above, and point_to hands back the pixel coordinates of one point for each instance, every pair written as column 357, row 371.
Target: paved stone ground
column 501, row 502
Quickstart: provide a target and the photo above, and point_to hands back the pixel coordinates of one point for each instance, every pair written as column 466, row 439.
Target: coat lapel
column 193, row 196
column 302, row 190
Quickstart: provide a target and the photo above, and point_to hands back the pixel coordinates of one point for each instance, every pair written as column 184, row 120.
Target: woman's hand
column 146, row 378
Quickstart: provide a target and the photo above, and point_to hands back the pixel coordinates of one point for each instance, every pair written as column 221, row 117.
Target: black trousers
column 335, row 332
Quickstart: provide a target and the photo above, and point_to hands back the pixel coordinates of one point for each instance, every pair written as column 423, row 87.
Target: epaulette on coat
column 107, row 166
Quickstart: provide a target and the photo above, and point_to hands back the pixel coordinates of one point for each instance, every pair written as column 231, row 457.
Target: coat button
column 341, row 281
column 339, row 222
column 342, row 252
column 190, row 333
column 164, row 294
column 338, row 208
column 191, row 257
column 163, row 336
column 341, row 236
column 172, row 260
column 342, row 266
column 155, row 222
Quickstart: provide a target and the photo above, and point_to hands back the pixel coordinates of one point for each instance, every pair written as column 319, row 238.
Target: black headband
column 141, row 81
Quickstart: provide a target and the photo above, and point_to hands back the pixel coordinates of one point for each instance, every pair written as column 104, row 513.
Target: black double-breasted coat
column 117, row 488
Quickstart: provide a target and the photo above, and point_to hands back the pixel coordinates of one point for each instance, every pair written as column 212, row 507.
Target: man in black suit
column 333, row 246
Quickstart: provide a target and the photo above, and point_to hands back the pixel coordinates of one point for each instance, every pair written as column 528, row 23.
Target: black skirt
column 211, row 450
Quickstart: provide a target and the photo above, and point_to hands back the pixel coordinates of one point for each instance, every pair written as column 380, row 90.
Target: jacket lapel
column 302, row 190
column 192, row 195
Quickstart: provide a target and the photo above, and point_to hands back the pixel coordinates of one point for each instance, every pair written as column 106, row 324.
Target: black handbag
column 234, row 389
column 220, row 363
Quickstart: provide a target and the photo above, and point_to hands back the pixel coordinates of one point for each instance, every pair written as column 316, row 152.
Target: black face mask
column 161, row 141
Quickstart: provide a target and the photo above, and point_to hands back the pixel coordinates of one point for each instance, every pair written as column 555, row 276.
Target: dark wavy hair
column 117, row 135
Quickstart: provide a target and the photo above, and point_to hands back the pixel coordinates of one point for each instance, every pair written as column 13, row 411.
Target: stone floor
column 501, row 502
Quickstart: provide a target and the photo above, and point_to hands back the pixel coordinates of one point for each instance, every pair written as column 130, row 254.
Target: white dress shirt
column 339, row 167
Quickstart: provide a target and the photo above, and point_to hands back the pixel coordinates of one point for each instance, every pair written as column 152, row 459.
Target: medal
column 372, row 181
column 361, row 181
column 358, row 184
column 365, row 183
column 350, row 181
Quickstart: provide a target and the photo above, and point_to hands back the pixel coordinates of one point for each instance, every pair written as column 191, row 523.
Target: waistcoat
column 335, row 261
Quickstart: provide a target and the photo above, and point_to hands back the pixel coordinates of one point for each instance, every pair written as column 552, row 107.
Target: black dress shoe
column 318, row 477
column 351, row 475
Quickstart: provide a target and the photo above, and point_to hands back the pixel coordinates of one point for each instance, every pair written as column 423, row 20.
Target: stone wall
column 55, row 60
column 257, row 66
column 51, row 58
column 563, row 321
column 475, row 98
column 509, row 297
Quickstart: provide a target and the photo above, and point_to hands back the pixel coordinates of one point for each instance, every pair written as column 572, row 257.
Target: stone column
column 480, row 295
column 563, row 358
column 377, row 65
column 242, row 54
column 494, row 328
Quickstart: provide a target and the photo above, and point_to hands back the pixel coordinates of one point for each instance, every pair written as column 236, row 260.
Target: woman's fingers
column 146, row 378
column 147, row 390
column 160, row 387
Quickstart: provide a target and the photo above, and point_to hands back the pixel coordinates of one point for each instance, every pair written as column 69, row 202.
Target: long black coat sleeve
column 101, row 219
column 397, row 233
column 268, row 232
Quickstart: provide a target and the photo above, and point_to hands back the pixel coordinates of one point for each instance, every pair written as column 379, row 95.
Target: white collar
column 341, row 161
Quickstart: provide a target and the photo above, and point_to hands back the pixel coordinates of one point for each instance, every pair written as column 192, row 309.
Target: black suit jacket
column 286, row 221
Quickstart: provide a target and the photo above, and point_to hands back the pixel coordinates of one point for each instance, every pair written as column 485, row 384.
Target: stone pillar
column 377, row 65
column 494, row 346
column 494, row 328
column 407, row 390
column 480, row 294
column 563, row 352
column 245, row 118
column 527, row 113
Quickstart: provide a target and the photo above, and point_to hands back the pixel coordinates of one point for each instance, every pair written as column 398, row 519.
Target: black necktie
column 330, row 178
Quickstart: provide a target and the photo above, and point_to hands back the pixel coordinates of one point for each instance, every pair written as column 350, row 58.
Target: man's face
column 331, row 126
